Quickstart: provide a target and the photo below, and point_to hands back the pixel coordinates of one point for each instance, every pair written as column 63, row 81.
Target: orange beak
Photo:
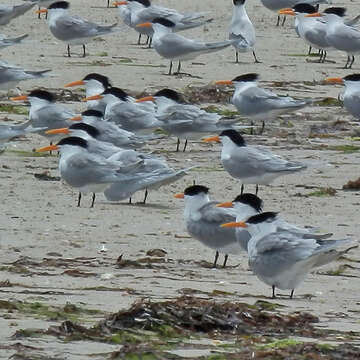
column 179, row 196
column 228, row 204
column 287, row 11
column 314, row 15
column 335, row 80
column 94, row 97
column 58, row 131
column 146, row 98
column 41, row 11
column 48, row 148
column 234, row 225
column 75, row 83
column 76, row 118
column 147, row 24
column 19, row 98
column 224, row 82
column 119, row 3
column 212, row 138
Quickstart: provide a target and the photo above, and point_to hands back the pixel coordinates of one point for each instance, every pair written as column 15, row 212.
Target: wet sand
column 53, row 252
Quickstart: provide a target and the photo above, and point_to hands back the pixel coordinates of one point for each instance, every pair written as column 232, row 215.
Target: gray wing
column 174, row 45
column 278, row 252
column 69, row 27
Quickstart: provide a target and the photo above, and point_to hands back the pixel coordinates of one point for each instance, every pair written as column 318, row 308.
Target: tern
column 141, row 11
column 123, row 111
column 351, row 95
column 73, row 30
column 44, row 112
column 11, row 75
column 276, row 5
column 10, row 12
column 252, row 164
column 110, row 132
column 203, row 220
column 85, row 171
column 184, row 120
column 7, row 41
column 257, row 103
column 242, row 30
column 176, row 47
column 245, row 206
column 95, row 84
column 282, row 259
column 341, row 36
column 91, row 135
column 311, row 30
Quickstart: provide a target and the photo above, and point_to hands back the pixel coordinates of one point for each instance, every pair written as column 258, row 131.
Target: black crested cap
column 196, row 189
column 234, row 136
column 121, row 94
column 146, row 3
column 73, row 140
column 352, row 77
column 246, row 77
column 238, row 2
column 92, row 112
column 339, row 11
column 265, row 216
column 170, row 94
column 91, row 130
column 251, row 200
column 42, row 94
column 59, row 5
column 304, row 8
column 163, row 21
column 98, row 77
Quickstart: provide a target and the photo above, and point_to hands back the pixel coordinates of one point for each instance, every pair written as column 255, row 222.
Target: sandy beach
column 55, row 253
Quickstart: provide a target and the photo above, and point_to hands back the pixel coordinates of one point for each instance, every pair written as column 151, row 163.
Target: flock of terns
column 99, row 148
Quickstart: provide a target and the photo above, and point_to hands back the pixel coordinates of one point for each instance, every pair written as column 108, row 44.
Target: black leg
column 236, row 57
column 39, row 15
column 273, row 292
column 292, row 294
column 50, row 152
column 93, row 200
column 347, row 62
column 139, row 39
column 256, row 189
column 256, row 60
column 242, row 189
column 262, row 127
column 146, row 195
column 185, row 145
column 283, row 22
column 147, row 39
column 108, row 5
column 129, row 200
column 216, row 259
column 352, row 61
column 225, row 260
column 177, row 145
column 278, row 21
column 84, row 54
column 310, row 48
column 79, row 199
column 169, row 73
column 179, row 67
column 46, row 15
column 324, row 55
column 68, row 50
column 150, row 42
